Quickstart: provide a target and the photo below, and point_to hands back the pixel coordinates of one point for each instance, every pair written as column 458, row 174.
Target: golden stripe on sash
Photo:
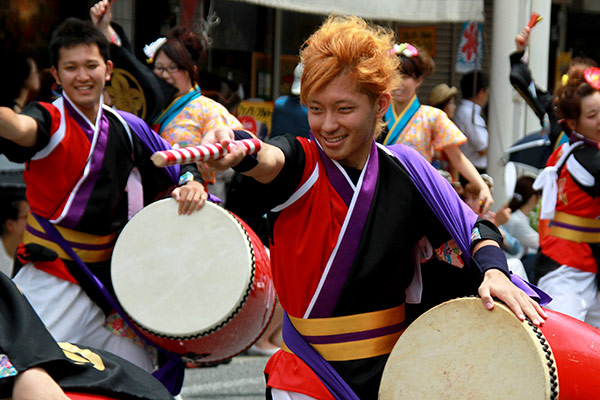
column 349, row 323
column 352, row 324
column 573, row 234
column 356, row 350
column 76, row 239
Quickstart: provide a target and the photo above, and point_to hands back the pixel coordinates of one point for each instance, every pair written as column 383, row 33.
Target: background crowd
column 448, row 130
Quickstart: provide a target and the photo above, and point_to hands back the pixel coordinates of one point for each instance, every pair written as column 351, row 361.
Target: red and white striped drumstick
column 207, row 152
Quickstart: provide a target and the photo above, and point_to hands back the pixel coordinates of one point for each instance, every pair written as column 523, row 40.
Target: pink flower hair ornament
column 592, row 77
column 404, row 49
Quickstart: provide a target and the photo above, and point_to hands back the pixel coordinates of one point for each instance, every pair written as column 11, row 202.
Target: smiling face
column 82, row 73
column 588, row 123
column 406, row 90
column 167, row 69
column 343, row 119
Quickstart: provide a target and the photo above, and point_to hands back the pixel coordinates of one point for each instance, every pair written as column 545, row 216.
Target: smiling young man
column 346, row 216
column 88, row 169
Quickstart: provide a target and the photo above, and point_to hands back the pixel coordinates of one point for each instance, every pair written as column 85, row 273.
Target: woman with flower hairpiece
column 176, row 60
column 567, row 264
column 426, row 129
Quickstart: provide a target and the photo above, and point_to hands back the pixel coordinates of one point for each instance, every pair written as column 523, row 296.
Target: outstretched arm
column 466, row 169
column 18, row 128
column 270, row 158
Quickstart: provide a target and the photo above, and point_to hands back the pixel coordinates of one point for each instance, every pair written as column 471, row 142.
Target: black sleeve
column 156, row 93
column 24, row 340
column 249, row 197
column 25, row 343
column 589, row 158
column 541, row 103
column 21, row 154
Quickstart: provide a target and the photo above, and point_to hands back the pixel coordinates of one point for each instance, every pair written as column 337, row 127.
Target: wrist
column 186, row 178
column 113, row 37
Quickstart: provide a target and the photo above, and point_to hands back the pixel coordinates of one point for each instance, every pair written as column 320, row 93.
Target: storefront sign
column 420, row 36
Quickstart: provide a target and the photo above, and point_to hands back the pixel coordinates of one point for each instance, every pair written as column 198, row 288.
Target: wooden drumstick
column 208, row 152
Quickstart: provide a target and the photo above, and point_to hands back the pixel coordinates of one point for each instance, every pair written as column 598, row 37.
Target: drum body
column 460, row 350
column 87, row 396
column 197, row 285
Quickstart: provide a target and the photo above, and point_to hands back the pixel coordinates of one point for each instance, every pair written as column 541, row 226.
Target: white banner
column 389, row 10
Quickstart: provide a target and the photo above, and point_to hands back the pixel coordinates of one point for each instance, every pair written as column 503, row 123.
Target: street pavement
column 242, row 378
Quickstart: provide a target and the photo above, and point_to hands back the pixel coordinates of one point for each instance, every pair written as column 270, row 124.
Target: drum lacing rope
column 230, row 316
column 550, row 359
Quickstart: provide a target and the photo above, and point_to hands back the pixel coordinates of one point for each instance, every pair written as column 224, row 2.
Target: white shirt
column 6, row 261
column 519, row 227
column 469, row 120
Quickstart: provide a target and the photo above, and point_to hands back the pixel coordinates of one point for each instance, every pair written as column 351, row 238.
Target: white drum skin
column 198, row 285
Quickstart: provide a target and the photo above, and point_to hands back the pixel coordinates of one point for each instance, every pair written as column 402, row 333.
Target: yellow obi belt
column 90, row 248
column 352, row 337
column 574, row 228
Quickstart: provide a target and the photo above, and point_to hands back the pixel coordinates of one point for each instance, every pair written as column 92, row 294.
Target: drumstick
column 191, row 154
column 534, row 19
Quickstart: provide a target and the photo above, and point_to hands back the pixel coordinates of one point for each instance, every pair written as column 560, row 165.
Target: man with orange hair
column 345, row 218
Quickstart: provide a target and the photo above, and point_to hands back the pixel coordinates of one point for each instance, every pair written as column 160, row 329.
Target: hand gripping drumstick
column 208, row 152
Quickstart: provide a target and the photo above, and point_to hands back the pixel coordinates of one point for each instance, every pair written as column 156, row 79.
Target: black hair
column 418, row 66
column 523, row 192
column 73, row 32
column 9, row 205
column 15, row 69
column 187, row 48
column 470, row 84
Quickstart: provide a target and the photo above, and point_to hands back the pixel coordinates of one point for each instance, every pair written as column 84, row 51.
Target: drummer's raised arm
column 267, row 165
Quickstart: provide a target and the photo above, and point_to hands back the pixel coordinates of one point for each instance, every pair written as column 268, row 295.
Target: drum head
column 460, row 350
column 182, row 275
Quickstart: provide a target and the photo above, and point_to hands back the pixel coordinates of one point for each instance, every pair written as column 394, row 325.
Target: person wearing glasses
column 176, row 60
column 13, row 213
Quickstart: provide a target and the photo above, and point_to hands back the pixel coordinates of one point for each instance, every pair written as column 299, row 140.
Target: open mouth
column 335, row 139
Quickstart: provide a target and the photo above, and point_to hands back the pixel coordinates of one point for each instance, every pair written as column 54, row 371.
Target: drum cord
column 550, row 359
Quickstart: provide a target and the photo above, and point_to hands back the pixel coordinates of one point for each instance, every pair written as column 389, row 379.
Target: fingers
column 190, row 197
column 486, row 202
column 518, row 301
column 221, row 135
column 486, row 297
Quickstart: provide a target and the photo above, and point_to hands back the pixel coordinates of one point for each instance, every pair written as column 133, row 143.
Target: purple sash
column 329, row 376
column 452, row 212
column 98, row 141
column 359, row 205
column 171, row 373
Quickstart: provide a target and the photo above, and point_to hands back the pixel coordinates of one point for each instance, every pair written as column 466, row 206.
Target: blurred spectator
column 475, row 92
column 444, row 98
column 424, row 128
column 523, row 202
column 13, row 214
column 20, row 80
column 289, row 115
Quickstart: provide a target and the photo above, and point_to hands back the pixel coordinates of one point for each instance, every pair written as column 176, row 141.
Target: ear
column 9, row 226
column 54, row 73
column 571, row 124
column 383, row 103
column 109, row 70
column 419, row 81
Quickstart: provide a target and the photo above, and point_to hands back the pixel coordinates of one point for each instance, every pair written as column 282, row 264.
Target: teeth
column 336, row 139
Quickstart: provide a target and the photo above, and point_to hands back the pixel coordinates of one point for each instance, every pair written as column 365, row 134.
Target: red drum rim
column 459, row 350
column 168, row 252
